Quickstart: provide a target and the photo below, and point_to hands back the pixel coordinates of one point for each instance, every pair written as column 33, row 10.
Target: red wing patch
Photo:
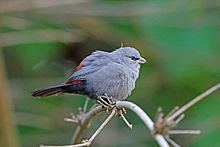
column 79, row 66
column 73, row 82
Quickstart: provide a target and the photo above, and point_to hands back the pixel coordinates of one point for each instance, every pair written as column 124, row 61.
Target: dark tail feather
column 50, row 90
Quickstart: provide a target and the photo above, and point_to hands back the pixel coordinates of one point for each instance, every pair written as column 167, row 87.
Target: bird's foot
column 107, row 102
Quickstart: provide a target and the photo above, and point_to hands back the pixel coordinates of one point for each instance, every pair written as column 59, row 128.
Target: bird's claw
column 107, row 102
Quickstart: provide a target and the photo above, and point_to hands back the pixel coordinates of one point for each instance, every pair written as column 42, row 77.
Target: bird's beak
column 142, row 60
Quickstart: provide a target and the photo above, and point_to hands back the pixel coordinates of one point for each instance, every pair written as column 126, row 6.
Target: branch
column 79, row 133
column 145, row 118
column 88, row 142
column 161, row 138
column 80, row 130
column 193, row 102
column 163, row 125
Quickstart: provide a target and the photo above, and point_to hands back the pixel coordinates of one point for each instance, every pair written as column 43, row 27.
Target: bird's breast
column 115, row 83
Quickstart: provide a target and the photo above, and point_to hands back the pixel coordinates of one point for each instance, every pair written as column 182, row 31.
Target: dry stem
column 163, row 125
column 80, row 130
column 193, row 102
column 88, row 142
column 171, row 120
column 145, row 118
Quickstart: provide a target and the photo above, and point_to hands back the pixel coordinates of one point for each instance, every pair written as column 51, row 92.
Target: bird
column 101, row 73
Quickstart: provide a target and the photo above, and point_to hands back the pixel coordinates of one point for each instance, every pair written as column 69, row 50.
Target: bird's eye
column 133, row 58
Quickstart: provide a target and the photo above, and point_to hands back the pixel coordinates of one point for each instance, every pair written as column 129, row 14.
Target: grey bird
column 102, row 73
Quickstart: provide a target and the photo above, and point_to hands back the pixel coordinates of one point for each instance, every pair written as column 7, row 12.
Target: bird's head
column 129, row 56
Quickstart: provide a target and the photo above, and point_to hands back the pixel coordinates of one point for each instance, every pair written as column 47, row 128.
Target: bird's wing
column 111, row 79
column 90, row 64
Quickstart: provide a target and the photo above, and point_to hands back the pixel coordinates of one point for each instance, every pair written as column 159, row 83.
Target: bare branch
column 173, row 143
column 185, row 132
column 145, row 118
column 193, row 102
column 163, row 125
column 88, row 142
column 172, row 119
column 85, row 104
column 80, row 130
column 102, row 126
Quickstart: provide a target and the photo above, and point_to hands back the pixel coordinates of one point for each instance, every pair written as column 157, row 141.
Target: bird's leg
column 102, row 102
column 107, row 102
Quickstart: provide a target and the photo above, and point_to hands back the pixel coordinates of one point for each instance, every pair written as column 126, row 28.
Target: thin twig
column 85, row 104
column 162, row 140
column 171, row 112
column 186, row 132
column 173, row 143
column 181, row 117
column 193, row 102
column 72, row 120
column 88, row 142
column 126, row 121
column 80, row 130
column 102, row 126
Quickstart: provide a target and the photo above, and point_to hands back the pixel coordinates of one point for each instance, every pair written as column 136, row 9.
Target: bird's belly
column 117, row 89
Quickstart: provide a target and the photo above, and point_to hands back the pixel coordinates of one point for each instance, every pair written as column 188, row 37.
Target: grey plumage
column 112, row 73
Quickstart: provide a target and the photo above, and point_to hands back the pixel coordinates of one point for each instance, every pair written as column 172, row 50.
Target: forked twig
column 88, row 142
column 163, row 125
column 168, row 122
column 193, row 102
column 80, row 130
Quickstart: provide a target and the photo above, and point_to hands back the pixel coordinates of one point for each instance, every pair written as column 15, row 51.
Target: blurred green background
column 42, row 41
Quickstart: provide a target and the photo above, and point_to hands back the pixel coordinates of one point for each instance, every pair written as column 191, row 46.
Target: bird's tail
column 51, row 90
